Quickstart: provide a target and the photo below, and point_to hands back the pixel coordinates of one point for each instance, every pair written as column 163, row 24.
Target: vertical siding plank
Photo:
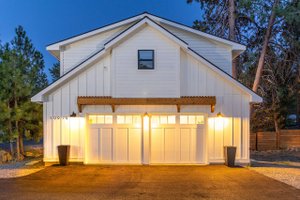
column 56, row 122
column 48, row 143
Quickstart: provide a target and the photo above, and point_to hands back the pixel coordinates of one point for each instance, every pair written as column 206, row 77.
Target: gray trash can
column 63, row 154
column 229, row 154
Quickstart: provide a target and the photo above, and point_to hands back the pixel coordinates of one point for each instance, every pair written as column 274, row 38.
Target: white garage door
column 114, row 139
column 177, row 139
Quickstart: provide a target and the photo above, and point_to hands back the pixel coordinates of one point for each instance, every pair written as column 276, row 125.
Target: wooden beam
column 212, row 108
column 185, row 100
column 178, row 108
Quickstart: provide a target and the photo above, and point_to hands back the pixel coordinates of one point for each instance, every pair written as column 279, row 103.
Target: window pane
column 171, row 119
column 163, row 119
column 191, row 119
column 108, row 119
column 200, row 120
column 128, row 119
column 120, row 119
column 145, row 64
column 146, row 55
column 183, row 119
column 137, row 122
column 100, row 119
column 92, row 119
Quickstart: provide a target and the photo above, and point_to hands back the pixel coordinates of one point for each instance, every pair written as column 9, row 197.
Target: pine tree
column 22, row 72
column 55, row 71
column 279, row 63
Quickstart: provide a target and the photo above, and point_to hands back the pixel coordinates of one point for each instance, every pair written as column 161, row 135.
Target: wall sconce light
column 219, row 114
column 73, row 114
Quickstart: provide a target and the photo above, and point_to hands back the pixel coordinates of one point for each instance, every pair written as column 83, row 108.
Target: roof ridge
column 140, row 14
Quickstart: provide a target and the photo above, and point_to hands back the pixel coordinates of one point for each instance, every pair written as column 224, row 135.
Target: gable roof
column 133, row 28
column 56, row 46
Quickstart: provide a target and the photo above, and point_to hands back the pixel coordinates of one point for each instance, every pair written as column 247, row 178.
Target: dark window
column 146, row 59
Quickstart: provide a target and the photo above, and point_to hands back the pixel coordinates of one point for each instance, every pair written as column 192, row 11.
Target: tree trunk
column 231, row 19
column 21, row 143
column 263, row 53
column 277, row 130
column 298, row 99
column 18, row 147
column 17, row 130
column 11, row 146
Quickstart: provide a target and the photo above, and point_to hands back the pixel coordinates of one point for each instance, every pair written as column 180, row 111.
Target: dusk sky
column 47, row 21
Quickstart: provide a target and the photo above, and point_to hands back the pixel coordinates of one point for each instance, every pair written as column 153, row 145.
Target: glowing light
column 75, row 124
column 219, row 123
column 146, row 122
column 219, row 115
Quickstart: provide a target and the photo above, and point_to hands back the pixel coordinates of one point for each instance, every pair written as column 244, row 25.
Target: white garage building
column 146, row 90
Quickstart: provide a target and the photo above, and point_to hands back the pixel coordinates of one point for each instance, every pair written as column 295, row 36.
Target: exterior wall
column 215, row 52
column 72, row 54
column 176, row 74
column 58, row 127
column 163, row 81
column 199, row 80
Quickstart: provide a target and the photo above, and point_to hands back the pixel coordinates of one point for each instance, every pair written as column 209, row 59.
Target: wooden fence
column 267, row 140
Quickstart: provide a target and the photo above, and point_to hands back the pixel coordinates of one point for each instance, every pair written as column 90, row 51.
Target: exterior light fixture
column 219, row 114
column 73, row 114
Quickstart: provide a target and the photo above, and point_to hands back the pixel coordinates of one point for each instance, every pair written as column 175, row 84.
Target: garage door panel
column 194, row 136
column 121, row 145
column 94, row 144
column 185, row 137
column 106, row 144
column 135, row 146
column 157, row 145
column 171, row 148
column 173, row 143
column 200, row 143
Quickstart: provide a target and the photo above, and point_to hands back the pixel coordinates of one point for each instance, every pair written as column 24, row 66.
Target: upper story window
column 145, row 59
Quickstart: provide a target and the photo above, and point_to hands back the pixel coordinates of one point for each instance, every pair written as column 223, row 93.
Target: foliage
column 22, row 75
column 279, row 84
column 55, row 71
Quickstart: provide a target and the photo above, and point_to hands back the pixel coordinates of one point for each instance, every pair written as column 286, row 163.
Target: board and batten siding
column 176, row 74
column 59, row 128
column 74, row 53
column 163, row 81
column 215, row 52
column 233, row 129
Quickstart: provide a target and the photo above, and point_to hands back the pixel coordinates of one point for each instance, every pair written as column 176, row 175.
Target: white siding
column 215, row 52
column 59, row 128
column 74, row 53
column 160, row 82
column 176, row 74
column 199, row 80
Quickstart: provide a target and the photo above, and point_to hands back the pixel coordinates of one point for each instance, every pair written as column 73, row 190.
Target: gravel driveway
column 282, row 165
column 19, row 169
column 287, row 173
